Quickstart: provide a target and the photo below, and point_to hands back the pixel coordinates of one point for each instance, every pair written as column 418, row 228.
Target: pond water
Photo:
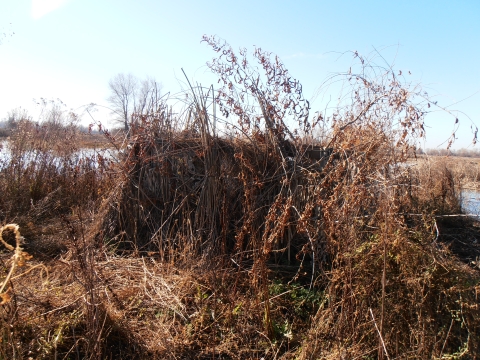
column 93, row 154
column 471, row 202
column 470, row 199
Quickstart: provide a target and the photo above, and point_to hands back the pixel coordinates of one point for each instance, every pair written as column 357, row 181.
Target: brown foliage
column 256, row 242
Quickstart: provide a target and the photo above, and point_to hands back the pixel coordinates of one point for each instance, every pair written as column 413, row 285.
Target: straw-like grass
column 245, row 240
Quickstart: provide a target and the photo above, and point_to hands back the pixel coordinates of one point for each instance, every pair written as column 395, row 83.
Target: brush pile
column 250, row 240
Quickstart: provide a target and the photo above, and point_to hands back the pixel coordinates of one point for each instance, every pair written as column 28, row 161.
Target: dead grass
column 199, row 245
column 465, row 169
column 93, row 141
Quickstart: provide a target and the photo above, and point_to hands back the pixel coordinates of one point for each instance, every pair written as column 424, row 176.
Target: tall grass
column 250, row 239
column 46, row 181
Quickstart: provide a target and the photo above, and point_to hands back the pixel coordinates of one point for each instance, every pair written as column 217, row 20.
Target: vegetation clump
column 275, row 235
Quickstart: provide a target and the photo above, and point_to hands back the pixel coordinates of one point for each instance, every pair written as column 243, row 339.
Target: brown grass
column 246, row 244
column 465, row 169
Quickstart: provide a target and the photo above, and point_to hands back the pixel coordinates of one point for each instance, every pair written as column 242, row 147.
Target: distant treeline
column 53, row 115
column 6, row 128
column 450, row 152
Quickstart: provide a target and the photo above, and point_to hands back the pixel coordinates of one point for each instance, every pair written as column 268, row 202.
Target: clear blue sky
column 69, row 49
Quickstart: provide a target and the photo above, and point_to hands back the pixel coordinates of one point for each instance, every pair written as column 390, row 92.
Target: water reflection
column 471, row 202
column 28, row 156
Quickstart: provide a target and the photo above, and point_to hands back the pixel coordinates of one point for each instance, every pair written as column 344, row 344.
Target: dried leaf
column 6, row 298
column 23, row 257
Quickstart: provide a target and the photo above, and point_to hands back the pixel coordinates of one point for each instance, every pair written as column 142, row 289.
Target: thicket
column 233, row 231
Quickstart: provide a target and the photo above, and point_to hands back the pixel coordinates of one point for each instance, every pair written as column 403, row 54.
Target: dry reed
column 244, row 240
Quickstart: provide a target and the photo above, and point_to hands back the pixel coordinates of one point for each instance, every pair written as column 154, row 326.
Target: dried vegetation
column 246, row 239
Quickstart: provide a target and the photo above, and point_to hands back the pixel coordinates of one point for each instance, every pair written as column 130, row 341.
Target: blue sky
column 69, row 49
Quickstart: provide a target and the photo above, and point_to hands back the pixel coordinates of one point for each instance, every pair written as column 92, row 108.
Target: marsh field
column 255, row 239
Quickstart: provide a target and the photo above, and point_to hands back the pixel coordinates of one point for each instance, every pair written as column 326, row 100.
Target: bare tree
column 16, row 115
column 148, row 96
column 131, row 97
column 122, row 98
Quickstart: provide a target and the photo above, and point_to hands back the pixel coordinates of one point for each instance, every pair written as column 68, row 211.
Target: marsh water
column 470, row 199
column 92, row 154
column 471, row 202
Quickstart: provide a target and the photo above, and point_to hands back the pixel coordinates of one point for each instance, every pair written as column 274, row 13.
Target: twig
column 60, row 308
column 379, row 334
column 438, row 232
column 446, row 338
column 32, row 268
column 270, row 299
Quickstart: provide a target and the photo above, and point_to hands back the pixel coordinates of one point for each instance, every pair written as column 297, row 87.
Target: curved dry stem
column 19, row 256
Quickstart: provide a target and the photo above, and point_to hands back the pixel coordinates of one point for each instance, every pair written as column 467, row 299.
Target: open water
column 471, row 202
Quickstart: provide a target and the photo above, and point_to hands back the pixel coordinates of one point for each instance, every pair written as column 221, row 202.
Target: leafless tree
column 131, row 97
column 148, row 97
column 16, row 115
column 122, row 97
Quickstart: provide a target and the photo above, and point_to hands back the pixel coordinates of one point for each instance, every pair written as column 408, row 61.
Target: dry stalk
column 216, row 232
column 379, row 334
column 19, row 257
